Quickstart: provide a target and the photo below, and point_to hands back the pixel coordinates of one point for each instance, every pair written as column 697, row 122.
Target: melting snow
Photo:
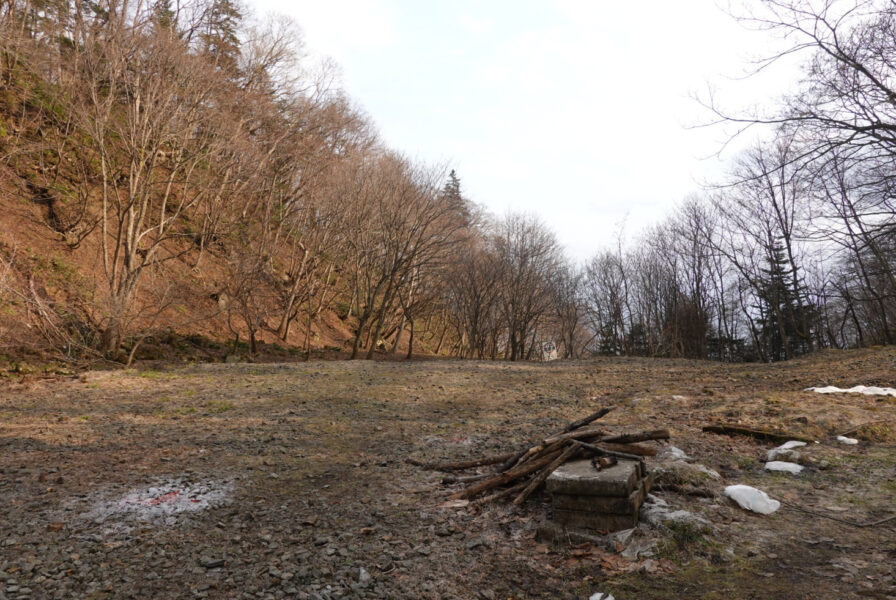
column 784, row 467
column 752, row 499
column 785, row 450
column 847, row 440
column 859, row 389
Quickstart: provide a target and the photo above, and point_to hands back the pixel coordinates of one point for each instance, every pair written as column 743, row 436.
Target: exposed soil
column 272, row 480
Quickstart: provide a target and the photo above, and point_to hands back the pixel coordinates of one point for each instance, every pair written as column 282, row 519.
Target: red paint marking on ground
column 164, row 498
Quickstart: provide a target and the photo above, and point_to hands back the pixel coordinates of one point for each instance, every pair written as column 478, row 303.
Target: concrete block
column 601, row 504
column 581, row 478
column 583, row 520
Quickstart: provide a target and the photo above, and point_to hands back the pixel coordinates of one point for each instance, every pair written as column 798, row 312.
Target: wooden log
column 632, row 438
column 583, row 434
column 536, row 452
column 462, row 465
column 589, row 419
column 779, row 437
column 515, row 459
column 566, row 455
column 628, row 448
column 600, row 450
column 498, row 495
column 506, row 477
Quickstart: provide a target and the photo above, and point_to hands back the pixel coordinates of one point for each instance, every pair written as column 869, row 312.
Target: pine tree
column 784, row 313
column 164, row 17
column 454, row 196
column 219, row 39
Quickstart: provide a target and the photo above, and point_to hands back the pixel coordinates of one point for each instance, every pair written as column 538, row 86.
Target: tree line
column 161, row 139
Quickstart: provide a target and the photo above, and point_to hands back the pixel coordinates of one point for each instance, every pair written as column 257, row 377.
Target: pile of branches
column 522, row 472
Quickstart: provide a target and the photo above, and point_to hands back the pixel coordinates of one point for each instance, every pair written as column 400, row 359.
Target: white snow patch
column 752, row 499
column 785, row 450
column 166, row 497
column 859, row 389
column 675, row 453
column 792, row 444
column 651, row 499
column 600, row 596
column 847, row 440
column 783, row 467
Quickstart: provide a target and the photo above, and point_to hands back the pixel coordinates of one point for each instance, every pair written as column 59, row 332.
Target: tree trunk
column 441, row 339
column 356, row 345
column 378, row 330
column 111, row 339
column 398, row 335
column 410, row 340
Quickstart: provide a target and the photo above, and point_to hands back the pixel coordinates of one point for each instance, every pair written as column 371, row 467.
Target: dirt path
column 275, row 481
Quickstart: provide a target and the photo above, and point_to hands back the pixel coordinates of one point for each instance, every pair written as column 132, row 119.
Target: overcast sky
column 578, row 111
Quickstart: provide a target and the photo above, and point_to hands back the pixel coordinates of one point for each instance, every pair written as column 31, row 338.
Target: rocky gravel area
column 290, row 481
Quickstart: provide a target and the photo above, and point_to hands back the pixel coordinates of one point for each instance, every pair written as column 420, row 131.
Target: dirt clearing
column 276, row 481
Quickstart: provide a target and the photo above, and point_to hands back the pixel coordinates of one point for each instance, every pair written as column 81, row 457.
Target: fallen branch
column 460, row 466
column 601, row 451
column 632, row 438
column 513, row 460
column 856, row 429
column 760, row 434
column 584, row 434
column 629, row 448
column 522, row 473
column 590, row 418
column 498, row 495
column 567, row 454
column 506, row 477
column 838, row 519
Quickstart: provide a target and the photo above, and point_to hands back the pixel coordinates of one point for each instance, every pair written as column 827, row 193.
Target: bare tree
column 399, row 224
column 145, row 105
column 529, row 256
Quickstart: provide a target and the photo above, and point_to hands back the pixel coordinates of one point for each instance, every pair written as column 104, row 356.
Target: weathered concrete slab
column 581, row 478
column 602, row 504
column 584, row 520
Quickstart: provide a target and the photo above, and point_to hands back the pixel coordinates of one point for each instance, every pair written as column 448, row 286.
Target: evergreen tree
column 784, row 314
column 219, row 39
column 164, row 17
column 454, row 196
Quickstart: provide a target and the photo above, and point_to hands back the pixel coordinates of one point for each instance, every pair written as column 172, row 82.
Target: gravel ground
column 290, row 481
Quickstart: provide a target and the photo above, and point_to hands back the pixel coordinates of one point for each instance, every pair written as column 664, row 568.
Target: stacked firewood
column 522, row 472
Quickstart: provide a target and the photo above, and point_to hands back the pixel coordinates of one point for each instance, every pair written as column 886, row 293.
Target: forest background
column 181, row 177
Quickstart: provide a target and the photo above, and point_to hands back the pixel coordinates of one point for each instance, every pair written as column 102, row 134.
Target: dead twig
column 498, row 495
column 838, row 519
column 590, row 418
column 856, row 429
column 506, row 477
column 515, row 459
column 760, row 434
